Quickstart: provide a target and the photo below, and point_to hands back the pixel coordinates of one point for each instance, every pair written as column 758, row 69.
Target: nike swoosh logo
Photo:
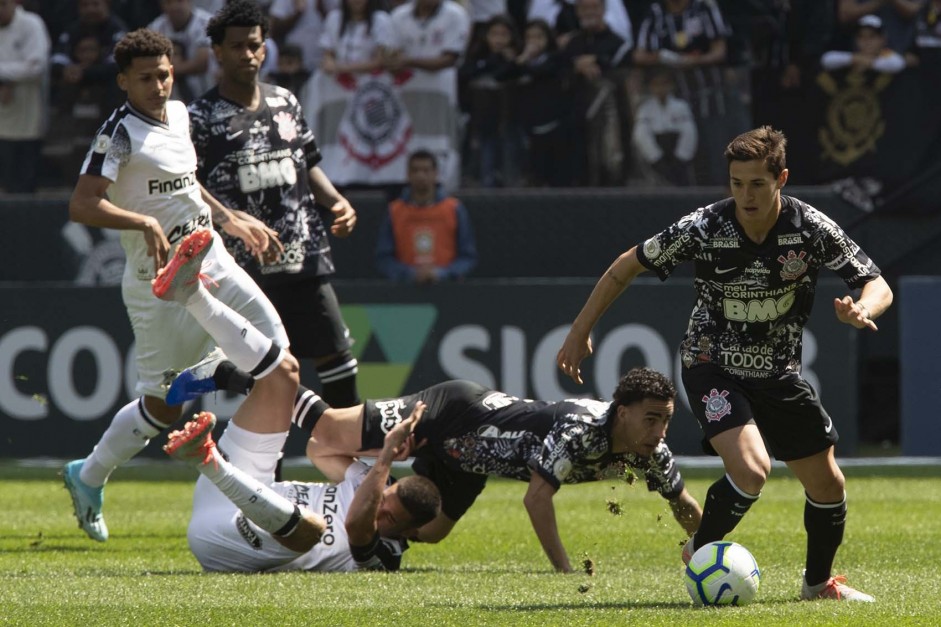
column 233, row 135
column 725, row 270
column 828, row 427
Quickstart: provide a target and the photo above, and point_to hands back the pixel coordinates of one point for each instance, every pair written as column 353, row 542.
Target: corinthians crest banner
column 870, row 124
column 367, row 124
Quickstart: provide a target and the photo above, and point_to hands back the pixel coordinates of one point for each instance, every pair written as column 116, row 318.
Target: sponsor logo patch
column 652, row 248
column 101, row 145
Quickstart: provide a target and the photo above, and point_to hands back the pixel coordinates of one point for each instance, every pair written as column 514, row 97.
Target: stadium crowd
column 504, row 92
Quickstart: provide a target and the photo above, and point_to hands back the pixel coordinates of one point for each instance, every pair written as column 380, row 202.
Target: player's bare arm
column 89, row 205
column 344, row 216
column 361, row 523
column 577, row 344
column 253, row 233
column 875, row 298
column 538, row 502
column 686, row 511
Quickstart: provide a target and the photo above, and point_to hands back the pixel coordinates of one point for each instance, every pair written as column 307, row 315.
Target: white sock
column 127, row 435
column 247, row 347
column 262, row 505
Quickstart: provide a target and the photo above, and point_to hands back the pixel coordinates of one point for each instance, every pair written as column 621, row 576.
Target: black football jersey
column 259, row 161
column 753, row 300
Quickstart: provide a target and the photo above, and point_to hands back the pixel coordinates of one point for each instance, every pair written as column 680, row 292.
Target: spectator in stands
column 592, row 52
column 562, row 15
column 356, row 38
column 430, row 39
column 690, row 36
column 425, row 237
column 543, row 107
column 665, row 134
column 430, row 35
column 681, row 34
column 928, row 30
column 24, row 64
column 60, row 14
column 291, row 73
column 301, row 22
column 185, row 26
column 870, row 52
column 489, row 64
column 898, row 20
column 94, row 20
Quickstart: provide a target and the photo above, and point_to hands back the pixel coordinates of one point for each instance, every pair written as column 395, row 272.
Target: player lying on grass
column 470, row 432
column 243, row 520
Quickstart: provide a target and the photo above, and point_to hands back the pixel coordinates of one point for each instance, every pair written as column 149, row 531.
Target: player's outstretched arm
column 538, row 502
column 577, row 344
column 686, row 511
column 361, row 525
column 260, row 240
column 875, row 298
column 89, row 205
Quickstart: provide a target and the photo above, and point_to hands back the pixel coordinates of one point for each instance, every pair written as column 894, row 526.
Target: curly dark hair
column 641, row 383
column 236, row 13
column 141, row 43
column 764, row 144
column 421, row 499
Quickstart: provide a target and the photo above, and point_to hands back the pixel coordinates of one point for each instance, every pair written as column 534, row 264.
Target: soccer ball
column 722, row 573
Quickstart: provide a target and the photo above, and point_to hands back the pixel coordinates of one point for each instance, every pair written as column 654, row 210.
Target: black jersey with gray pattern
column 753, row 300
column 259, row 161
column 564, row 442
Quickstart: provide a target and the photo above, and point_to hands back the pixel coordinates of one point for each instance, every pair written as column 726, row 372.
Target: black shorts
column 449, row 405
column 311, row 315
column 787, row 411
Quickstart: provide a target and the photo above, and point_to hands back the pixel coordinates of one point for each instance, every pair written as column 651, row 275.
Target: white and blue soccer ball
column 722, row 573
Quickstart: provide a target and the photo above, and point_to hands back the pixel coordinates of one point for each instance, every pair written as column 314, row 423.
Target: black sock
column 229, row 378
column 824, row 523
column 338, row 380
column 308, row 408
column 724, row 507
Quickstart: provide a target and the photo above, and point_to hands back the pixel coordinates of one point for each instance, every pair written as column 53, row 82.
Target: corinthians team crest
column 793, row 265
column 375, row 128
column 717, row 405
column 854, row 121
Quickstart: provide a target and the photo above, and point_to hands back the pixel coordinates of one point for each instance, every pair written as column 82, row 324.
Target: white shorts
column 168, row 339
column 220, row 536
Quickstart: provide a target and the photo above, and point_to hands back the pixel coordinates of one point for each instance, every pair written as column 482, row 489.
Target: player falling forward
column 139, row 177
column 470, row 432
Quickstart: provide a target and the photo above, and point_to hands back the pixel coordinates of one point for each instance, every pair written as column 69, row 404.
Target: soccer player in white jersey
column 245, row 521
column 139, row 177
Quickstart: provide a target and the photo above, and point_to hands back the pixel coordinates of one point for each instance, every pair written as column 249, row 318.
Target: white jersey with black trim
column 152, row 169
column 332, row 502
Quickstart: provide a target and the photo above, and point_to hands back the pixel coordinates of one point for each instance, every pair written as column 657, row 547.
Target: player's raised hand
column 574, row 349
column 158, row 246
column 344, row 218
column 260, row 239
column 400, row 440
column 853, row 313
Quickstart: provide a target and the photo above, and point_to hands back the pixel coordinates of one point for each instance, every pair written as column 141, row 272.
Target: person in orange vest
column 425, row 237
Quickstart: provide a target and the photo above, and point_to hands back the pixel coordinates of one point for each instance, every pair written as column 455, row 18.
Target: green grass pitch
column 490, row 571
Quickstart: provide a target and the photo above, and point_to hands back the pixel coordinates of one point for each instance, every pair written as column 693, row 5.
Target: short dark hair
column 427, row 155
column 141, row 43
column 236, row 13
column 421, row 499
column 760, row 144
column 641, row 383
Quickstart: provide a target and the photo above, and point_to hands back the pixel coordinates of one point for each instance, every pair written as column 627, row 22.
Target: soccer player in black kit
column 757, row 256
column 469, row 432
column 255, row 151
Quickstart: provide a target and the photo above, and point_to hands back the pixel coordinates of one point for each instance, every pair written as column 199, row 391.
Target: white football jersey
column 152, row 169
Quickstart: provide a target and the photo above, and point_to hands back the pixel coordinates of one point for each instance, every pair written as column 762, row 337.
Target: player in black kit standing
column 255, row 151
column 757, row 257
